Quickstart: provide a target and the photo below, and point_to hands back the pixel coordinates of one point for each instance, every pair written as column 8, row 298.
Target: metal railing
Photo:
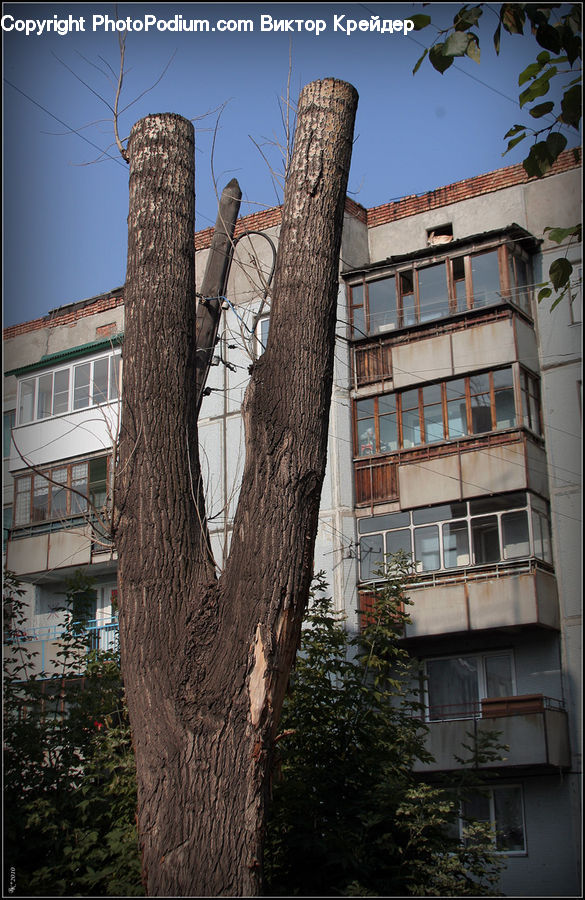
column 101, row 634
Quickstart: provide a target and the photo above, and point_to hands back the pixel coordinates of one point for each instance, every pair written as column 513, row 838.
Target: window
column 455, row 685
column 426, row 291
column 60, row 492
column 503, row 808
column 479, row 532
column 8, row 420
column 69, row 389
column 453, row 409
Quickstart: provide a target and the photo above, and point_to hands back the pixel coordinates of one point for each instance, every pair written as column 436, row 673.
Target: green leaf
column 514, row 130
column 538, row 87
column 544, row 294
column 560, row 272
column 571, row 106
column 473, row 51
column 456, row 44
column 418, row 65
column 513, row 142
column 497, row 38
column 538, row 161
column 556, row 143
column 558, row 235
column 420, row 21
column 548, row 36
column 439, row 61
column 529, row 72
column 542, row 109
column 467, row 18
column 512, row 18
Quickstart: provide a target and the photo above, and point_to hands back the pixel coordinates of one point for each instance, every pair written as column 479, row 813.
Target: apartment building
column 454, row 436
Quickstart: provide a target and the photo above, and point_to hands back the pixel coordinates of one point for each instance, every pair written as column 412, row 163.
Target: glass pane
column 486, row 278
column 439, row 513
column 59, row 494
column 456, row 408
column 515, row 534
column 485, row 539
column 45, row 396
column 381, row 523
column 541, row 532
column 433, row 414
column 477, row 806
column 79, row 483
column 432, row 292
column 40, row 507
column 81, row 386
column 357, row 311
column 509, row 819
column 371, row 555
column 22, row 502
column 100, row 380
column 61, row 392
column 367, row 437
column 27, row 399
column 481, row 416
column 97, row 482
column 407, row 292
column 426, row 549
column 498, row 676
column 388, row 423
column 452, row 687
column 411, row 435
column 382, row 304
column 455, row 545
column 398, row 540
column 504, row 396
column 459, row 282
column 115, row 362
column 497, row 503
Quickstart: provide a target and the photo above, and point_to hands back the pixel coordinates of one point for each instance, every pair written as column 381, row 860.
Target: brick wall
column 101, row 304
column 463, row 190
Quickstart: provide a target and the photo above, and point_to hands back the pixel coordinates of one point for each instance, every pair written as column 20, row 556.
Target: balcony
column 46, row 642
column 498, row 596
column 533, row 727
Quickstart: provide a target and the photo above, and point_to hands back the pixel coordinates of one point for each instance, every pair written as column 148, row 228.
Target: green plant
column 348, row 815
column 69, row 779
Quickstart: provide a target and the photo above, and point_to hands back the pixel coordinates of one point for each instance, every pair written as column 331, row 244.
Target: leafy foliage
column 69, row 780
column 348, row 815
column 558, row 31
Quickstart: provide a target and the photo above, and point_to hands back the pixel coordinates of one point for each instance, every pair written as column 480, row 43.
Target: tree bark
column 214, row 281
column 205, row 660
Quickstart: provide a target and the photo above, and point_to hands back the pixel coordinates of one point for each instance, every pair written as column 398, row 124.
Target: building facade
column 454, row 436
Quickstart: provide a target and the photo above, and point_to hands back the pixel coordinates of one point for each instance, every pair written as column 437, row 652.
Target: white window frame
column 533, row 506
column 491, row 791
column 113, row 395
column 481, row 679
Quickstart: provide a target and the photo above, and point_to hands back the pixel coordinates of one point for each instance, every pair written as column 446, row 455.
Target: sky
column 65, row 187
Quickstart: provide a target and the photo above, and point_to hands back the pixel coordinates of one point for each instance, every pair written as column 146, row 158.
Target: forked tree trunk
column 205, row 660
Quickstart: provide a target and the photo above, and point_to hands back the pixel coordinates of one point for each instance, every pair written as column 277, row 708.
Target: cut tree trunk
column 206, row 660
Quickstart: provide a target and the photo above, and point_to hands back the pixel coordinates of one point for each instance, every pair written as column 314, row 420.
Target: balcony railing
column 46, row 641
column 492, row 707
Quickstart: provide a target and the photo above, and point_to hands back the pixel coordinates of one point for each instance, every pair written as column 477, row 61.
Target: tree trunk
column 205, row 660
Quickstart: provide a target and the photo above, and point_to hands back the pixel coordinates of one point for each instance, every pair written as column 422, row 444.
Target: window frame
column 73, row 479
column 113, row 371
column 481, row 682
column 491, row 791
column 408, row 311
column 537, row 516
column 515, row 386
